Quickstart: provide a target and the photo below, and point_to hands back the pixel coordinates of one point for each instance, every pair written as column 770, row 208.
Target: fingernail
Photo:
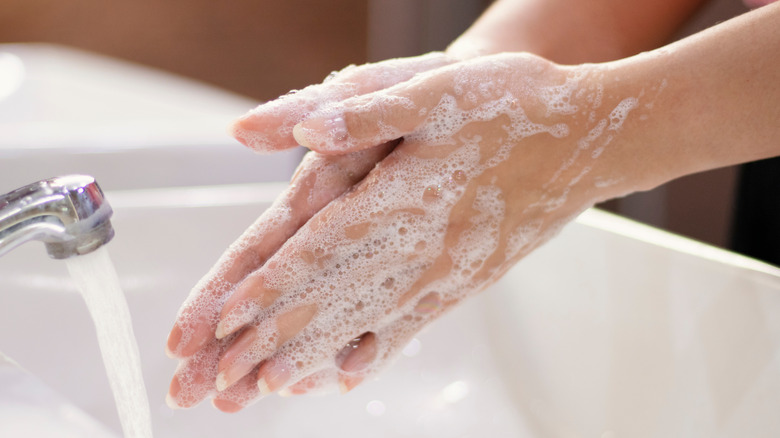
column 171, row 402
column 263, row 387
column 173, row 390
column 271, row 376
column 220, row 332
column 222, row 382
column 348, row 383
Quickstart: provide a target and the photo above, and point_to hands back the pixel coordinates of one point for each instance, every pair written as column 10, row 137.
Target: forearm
column 720, row 105
column 574, row 31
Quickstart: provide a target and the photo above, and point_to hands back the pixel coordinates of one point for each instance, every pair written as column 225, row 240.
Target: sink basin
column 612, row 329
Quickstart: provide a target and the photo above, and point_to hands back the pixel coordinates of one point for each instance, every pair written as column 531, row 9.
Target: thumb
column 365, row 121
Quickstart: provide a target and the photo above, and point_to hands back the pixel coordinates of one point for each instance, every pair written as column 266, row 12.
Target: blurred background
column 259, row 49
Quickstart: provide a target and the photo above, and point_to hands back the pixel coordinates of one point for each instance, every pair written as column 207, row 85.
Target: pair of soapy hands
column 430, row 177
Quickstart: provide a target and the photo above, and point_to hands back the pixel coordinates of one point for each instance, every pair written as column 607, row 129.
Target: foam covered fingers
column 194, row 379
column 240, row 395
column 196, row 321
column 269, row 127
column 257, row 343
column 318, row 180
column 366, row 120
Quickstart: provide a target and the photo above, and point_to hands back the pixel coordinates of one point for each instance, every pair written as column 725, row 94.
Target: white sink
column 601, row 333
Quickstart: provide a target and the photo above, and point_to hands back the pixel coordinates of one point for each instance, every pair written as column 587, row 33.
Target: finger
column 366, row 120
column 256, row 344
column 232, row 366
column 326, row 178
column 248, row 301
column 298, row 368
column 433, row 106
column 269, row 127
column 318, row 180
column 376, row 351
column 240, row 395
column 194, row 378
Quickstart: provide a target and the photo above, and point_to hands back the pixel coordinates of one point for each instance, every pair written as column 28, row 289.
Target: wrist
column 614, row 133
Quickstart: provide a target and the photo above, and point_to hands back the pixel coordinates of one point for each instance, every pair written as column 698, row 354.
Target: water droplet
column 432, row 193
column 459, row 177
column 429, row 304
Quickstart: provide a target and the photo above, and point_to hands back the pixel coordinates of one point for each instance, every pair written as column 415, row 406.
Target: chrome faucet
column 69, row 214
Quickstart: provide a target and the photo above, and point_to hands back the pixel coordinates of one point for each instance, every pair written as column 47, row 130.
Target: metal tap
column 69, row 214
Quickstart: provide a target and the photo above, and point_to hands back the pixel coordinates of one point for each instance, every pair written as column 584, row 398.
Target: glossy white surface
column 65, row 111
column 618, row 330
column 597, row 333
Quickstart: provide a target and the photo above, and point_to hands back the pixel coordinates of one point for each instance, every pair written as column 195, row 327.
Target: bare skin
column 535, row 159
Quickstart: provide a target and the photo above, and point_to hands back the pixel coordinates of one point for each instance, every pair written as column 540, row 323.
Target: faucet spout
column 69, row 214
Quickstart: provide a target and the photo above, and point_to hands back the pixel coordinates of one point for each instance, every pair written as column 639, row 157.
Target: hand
column 318, row 180
column 498, row 153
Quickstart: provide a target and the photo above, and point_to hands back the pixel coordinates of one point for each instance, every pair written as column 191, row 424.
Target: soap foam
column 619, row 114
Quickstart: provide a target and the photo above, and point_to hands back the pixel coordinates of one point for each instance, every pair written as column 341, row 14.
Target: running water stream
column 96, row 279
